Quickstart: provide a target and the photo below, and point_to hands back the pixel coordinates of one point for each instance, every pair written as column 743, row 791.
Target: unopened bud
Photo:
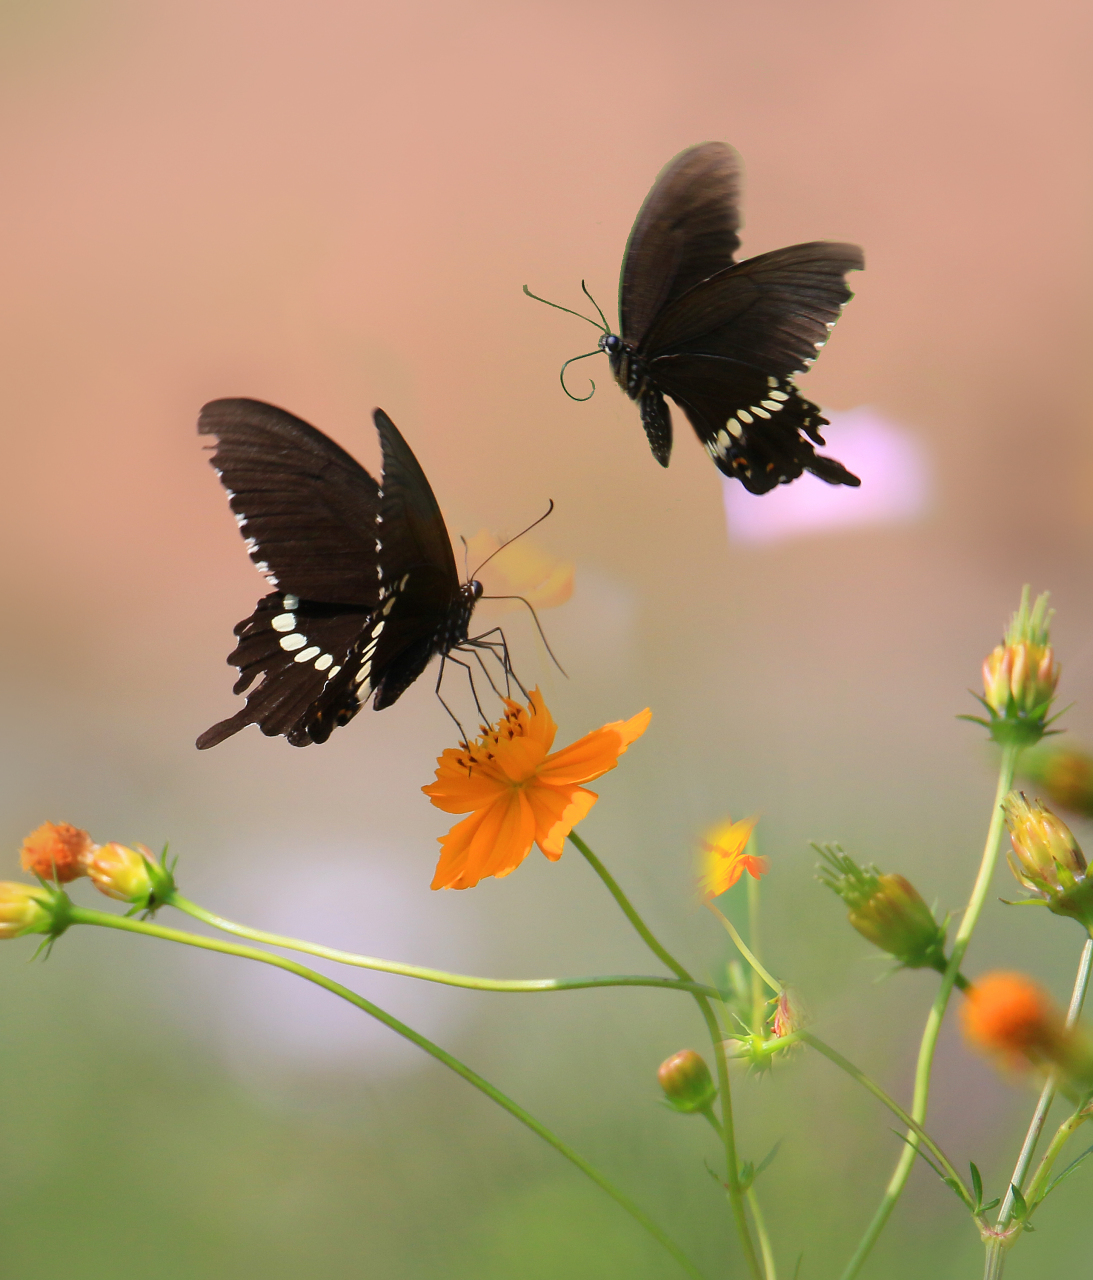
column 1012, row 1017
column 1046, row 858
column 686, row 1081
column 886, row 909
column 787, row 1017
column 27, row 908
column 130, row 875
column 57, row 852
column 1020, row 676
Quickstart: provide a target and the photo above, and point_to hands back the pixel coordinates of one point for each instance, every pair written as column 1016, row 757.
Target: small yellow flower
column 24, row 908
column 122, row 873
column 517, row 792
column 724, row 859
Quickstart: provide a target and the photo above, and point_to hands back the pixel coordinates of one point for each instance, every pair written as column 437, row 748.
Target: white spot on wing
column 734, row 427
column 322, row 663
column 744, row 416
column 375, row 630
column 333, row 672
column 305, row 655
column 291, row 602
column 778, row 395
column 284, row 622
column 294, row 641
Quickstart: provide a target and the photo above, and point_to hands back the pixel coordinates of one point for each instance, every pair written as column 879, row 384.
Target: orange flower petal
column 540, row 723
column 498, row 836
column 557, row 811
column 459, row 789
column 593, row 755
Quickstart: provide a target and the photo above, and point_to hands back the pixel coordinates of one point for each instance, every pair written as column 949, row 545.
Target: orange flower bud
column 686, row 1081
column 57, row 851
column 1020, row 676
column 24, row 908
column 1046, row 858
column 1014, row 1018
column 124, row 873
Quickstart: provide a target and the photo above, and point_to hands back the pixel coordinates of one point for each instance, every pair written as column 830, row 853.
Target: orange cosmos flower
column 724, row 860
column 57, row 851
column 516, row 792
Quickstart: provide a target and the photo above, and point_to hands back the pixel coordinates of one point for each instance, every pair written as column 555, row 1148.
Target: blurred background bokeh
column 333, row 206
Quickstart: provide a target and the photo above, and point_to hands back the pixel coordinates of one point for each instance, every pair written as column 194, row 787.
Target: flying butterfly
column 366, row 590
column 722, row 338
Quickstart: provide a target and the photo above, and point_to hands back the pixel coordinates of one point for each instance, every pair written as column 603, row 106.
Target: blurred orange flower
column 724, row 860
column 57, row 851
column 521, row 569
column 516, row 792
column 1011, row 1016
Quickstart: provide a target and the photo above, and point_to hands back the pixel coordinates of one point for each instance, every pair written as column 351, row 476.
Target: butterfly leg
column 486, row 673
column 483, row 642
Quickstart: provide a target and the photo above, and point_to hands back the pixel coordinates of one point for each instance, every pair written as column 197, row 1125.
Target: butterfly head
column 611, row 343
column 471, row 591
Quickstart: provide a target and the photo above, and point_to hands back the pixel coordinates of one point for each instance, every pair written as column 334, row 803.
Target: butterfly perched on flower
column 723, row 339
column 366, row 590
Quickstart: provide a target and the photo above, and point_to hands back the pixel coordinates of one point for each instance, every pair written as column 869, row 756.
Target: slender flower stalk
column 469, row 981
column 80, row 915
column 927, row 1047
column 844, row 1064
column 732, row 1168
column 1001, row 1240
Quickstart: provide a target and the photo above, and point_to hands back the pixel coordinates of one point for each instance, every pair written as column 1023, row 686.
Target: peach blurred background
column 334, row 206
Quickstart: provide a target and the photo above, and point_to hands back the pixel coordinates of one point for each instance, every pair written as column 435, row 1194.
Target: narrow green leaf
column 986, row 1208
column 797, row 1268
column 1020, row 1208
column 765, row 1162
column 977, row 1184
column 1065, row 1174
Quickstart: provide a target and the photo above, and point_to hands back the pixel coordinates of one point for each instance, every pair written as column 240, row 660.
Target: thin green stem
column 728, row 1131
column 1003, row 1237
column 770, row 1271
column 758, row 1004
column 509, row 985
column 928, row 1045
column 80, row 915
column 1062, row 1136
column 856, row 1073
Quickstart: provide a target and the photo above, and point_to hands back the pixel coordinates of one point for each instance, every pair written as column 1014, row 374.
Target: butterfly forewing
column 774, row 312
column 684, row 232
column 306, row 508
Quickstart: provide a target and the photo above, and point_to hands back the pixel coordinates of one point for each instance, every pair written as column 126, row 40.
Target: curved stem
column 717, row 1040
column 842, row 1063
column 81, row 915
column 928, row 1045
column 510, row 985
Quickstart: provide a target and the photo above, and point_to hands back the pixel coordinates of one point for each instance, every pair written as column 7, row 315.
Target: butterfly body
column 723, row 339
column 367, row 591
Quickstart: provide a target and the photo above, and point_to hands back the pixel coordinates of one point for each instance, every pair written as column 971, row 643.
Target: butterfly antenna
column 466, row 552
column 539, row 627
column 584, row 290
column 509, row 541
column 558, row 307
column 561, row 377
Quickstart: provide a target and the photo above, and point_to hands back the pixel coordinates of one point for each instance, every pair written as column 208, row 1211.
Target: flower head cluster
column 1047, row 860
column 517, row 792
column 58, row 853
column 1014, row 1019
column 1020, row 675
column 886, row 909
column 725, row 857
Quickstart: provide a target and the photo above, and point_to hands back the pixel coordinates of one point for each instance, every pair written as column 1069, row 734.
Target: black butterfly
column 724, row 339
column 366, row 585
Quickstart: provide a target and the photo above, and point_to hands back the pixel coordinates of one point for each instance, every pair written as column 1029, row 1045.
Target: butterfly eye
column 476, row 590
column 610, row 342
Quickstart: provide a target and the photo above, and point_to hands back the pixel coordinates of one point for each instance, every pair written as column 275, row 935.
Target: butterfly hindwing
column 298, row 649
column 685, row 231
column 757, row 428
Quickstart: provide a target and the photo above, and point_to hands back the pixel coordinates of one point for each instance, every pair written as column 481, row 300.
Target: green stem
column 845, row 1064
column 758, row 1004
column 998, row 1244
column 80, row 915
column 921, row 1095
column 732, row 1168
column 432, row 975
column 769, row 1269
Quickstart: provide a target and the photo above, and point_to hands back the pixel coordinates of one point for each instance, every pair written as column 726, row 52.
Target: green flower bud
column 1047, row 860
column 31, row 908
column 1020, row 675
column 686, row 1082
column 886, row 909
